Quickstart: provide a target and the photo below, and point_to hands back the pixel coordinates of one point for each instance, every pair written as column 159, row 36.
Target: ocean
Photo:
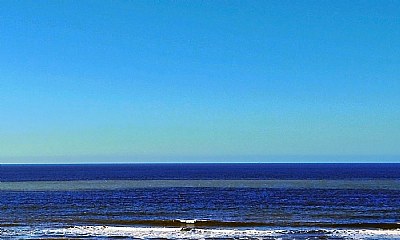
column 200, row 201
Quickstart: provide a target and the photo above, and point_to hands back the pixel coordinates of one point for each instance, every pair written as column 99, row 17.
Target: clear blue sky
column 104, row 79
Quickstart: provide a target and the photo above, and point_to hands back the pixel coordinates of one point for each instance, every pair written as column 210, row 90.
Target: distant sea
column 200, row 201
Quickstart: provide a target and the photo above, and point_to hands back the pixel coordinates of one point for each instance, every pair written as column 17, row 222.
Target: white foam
column 196, row 233
column 190, row 221
column 177, row 233
column 169, row 233
column 367, row 234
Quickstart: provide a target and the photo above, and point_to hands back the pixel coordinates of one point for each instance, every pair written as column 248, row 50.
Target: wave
column 133, row 184
column 179, row 233
column 199, row 223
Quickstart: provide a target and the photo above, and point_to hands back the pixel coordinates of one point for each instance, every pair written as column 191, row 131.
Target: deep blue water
column 232, row 204
column 198, row 171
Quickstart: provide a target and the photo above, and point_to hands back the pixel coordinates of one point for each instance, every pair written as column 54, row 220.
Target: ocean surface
column 200, row 201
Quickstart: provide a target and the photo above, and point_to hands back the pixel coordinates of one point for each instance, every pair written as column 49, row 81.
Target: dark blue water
column 223, row 196
column 197, row 171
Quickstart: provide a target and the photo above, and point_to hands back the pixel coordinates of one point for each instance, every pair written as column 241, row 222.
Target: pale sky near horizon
column 199, row 78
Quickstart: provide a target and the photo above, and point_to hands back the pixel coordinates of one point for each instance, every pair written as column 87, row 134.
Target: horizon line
column 190, row 159
column 152, row 163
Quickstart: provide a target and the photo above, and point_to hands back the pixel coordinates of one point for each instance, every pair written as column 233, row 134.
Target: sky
column 109, row 81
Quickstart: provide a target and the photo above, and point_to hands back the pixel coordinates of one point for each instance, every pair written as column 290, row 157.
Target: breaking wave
column 91, row 231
